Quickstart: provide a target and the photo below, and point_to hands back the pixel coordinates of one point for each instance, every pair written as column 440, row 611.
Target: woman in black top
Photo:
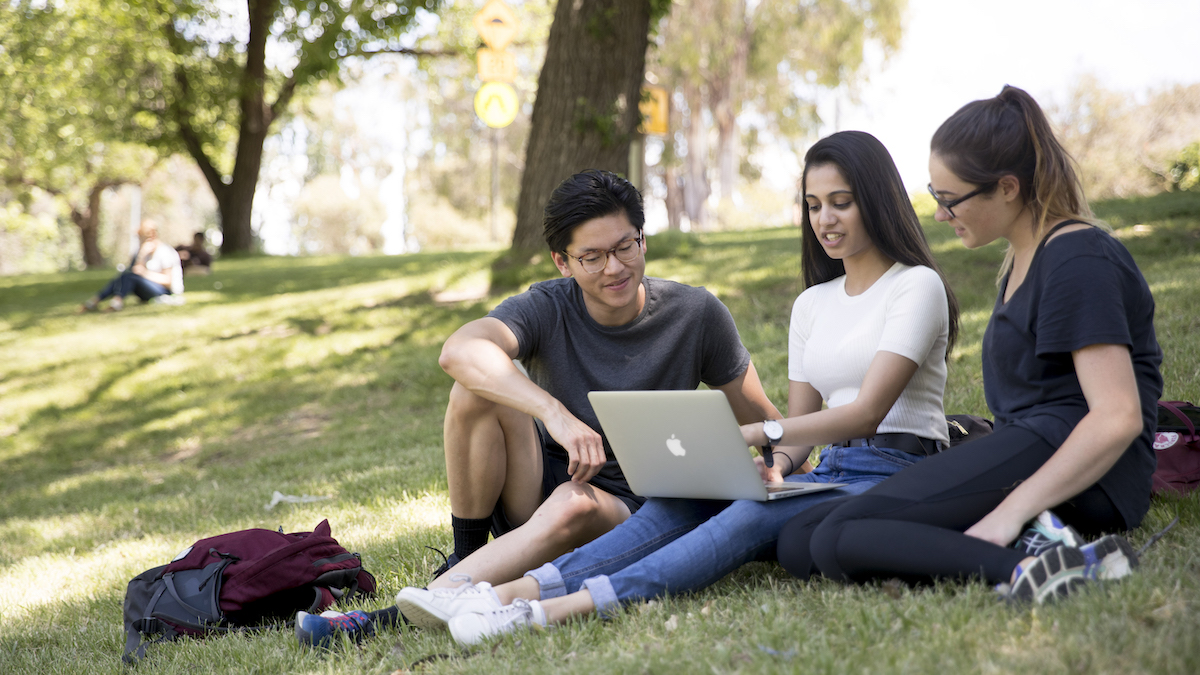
column 1070, row 366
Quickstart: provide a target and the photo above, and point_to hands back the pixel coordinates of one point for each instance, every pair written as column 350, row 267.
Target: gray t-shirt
column 683, row 336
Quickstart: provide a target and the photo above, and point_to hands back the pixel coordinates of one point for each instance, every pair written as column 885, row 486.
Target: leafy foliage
column 67, row 100
column 1184, row 172
column 221, row 74
column 723, row 58
column 1129, row 147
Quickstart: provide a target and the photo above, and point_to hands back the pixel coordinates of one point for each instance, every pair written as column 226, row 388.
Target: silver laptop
column 685, row 444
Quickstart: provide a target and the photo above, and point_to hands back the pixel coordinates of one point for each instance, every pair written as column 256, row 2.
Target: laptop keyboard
column 771, row 489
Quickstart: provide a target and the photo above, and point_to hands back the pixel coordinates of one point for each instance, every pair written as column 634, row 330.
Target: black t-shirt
column 683, row 336
column 1083, row 288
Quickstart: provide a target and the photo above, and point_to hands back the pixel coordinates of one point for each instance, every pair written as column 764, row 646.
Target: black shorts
column 554, row 473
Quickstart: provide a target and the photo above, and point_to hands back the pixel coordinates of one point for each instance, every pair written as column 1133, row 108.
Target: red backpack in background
column 1177, row 447
column 240, row 580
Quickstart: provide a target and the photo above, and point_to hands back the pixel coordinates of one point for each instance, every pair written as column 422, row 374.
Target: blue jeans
column 129, row 283
column 680, row 545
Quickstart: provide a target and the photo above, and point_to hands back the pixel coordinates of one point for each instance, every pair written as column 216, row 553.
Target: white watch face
column 773, row 430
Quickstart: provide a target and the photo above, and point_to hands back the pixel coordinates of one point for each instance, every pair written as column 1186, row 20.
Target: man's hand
column 585, row 447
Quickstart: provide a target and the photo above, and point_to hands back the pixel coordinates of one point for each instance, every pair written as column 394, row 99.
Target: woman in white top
column 154, row 271
column 869, row 337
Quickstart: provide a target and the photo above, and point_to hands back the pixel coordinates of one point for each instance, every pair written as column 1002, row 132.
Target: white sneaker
column 432, row 608
column 471, row 629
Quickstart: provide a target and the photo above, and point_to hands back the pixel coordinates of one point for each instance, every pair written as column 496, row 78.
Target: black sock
column 388, row 617
column 470, row 534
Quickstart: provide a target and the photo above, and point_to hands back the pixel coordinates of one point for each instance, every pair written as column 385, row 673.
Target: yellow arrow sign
column 497, row 24
column 496, row 104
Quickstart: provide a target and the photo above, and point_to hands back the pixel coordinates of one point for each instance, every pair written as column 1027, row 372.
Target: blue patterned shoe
column 320, row 630
column 1058, row 572
column 1044, row 533
column 1109, row 557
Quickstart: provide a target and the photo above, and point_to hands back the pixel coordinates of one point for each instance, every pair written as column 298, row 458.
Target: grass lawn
column 125, row 437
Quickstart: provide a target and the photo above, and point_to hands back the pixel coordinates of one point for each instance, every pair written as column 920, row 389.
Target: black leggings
column 911, row 525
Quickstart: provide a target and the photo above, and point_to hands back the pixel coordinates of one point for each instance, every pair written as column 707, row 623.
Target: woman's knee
column 792, row 548
column 808, row 543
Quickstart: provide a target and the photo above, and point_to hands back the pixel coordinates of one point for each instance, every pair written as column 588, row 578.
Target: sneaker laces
column 446, row 564
column 1046, row 532
column 465, row 587
column 1034, row 543
column 445, row 559
column 519, row 613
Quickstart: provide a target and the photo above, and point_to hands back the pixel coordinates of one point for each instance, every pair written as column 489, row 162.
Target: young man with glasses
column 525, row 458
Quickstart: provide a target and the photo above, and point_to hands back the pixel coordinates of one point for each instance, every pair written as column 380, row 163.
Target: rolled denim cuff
column 603, row 595
column 550, row 581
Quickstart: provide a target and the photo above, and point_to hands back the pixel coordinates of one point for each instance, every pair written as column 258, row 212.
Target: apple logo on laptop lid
column 676, row 446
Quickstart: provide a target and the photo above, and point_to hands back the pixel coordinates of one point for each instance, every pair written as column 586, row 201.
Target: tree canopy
column 228, row 72
column 774, row 57
column 67, row 101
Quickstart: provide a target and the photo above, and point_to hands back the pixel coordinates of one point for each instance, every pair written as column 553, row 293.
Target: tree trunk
column 727, row 99
column 674, row 199
column 695, row 182
column 88, row 222
column 236, row 203
column 586, row 110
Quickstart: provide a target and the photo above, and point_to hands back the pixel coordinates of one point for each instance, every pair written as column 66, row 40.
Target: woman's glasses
column 594, row 261
column 949, row 205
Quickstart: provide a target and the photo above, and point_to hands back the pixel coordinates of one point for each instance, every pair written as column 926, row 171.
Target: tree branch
column 285, row 97
column 289, row 86
column 405, row 50
column 183, row 117
column 21, row 180
column 191, row 140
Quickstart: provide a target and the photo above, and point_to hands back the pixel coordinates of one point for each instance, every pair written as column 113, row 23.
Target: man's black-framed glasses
column 949, row 205
column 595, row 261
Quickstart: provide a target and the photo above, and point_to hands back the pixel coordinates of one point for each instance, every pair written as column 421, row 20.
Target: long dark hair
column 1009, row 135
column 886, row 210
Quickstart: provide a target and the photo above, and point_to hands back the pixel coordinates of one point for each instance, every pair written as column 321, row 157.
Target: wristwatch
column 773, row 430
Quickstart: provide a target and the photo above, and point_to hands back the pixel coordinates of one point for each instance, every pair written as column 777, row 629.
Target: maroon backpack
column 1177, row 448
column 240, row 580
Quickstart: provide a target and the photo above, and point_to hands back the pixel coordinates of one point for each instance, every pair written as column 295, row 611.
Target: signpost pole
column 496, row 101
column 495, row 183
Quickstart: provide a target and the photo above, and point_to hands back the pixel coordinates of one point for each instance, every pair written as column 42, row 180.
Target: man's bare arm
column 479, row 357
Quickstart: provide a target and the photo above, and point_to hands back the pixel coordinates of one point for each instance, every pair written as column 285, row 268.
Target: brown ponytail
column 1009, row 135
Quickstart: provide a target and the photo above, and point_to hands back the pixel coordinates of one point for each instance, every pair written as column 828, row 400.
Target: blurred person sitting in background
column 154, row 272
column 196, row 259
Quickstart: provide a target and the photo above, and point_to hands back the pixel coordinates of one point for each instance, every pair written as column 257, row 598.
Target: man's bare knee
column 576, row 514
column 467, row 405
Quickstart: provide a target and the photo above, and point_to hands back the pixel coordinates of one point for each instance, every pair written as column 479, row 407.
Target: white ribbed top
column 834, row 337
